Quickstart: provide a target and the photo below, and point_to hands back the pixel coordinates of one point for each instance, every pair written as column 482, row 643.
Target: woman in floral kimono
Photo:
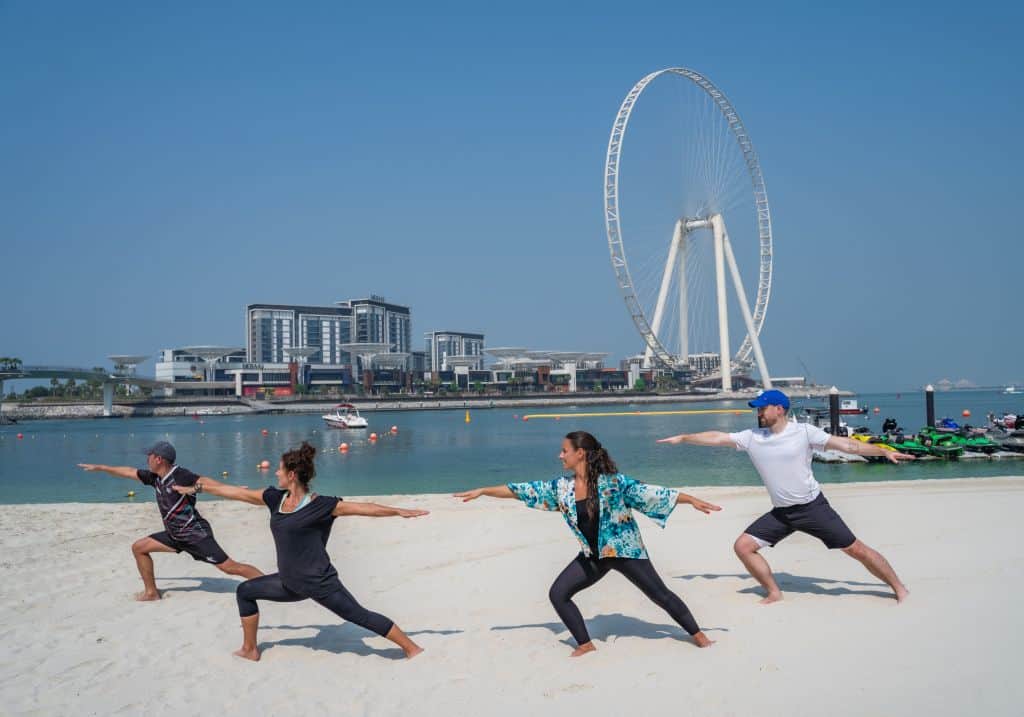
column 596, row 502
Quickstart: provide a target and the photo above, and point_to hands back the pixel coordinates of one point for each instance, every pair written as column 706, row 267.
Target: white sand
column 470, row 583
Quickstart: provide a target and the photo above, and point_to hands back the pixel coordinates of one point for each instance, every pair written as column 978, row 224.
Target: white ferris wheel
column 691, row 167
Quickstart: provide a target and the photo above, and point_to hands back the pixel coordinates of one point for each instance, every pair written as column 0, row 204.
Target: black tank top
column 588, row 526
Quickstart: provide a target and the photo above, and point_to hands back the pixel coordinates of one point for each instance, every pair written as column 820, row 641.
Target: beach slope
column 469, row 583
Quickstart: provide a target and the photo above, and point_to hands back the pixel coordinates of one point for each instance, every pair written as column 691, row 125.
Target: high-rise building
column 272, row 329
column 444, row 344
column 375, row 320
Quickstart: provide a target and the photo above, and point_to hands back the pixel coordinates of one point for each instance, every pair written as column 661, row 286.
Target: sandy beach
column 470, row 583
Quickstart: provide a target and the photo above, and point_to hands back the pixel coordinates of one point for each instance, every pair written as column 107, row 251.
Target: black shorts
column 204, row 550
column 816, row 518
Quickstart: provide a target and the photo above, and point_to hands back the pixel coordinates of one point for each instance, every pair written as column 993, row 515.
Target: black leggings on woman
column 340, row 602
column 583, row 572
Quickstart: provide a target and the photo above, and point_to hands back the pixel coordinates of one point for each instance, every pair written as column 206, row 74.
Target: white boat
column 1012, row 389
column 345, row 416
column 849, row 407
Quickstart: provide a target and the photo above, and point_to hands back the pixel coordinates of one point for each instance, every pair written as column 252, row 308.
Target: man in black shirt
column 184, row 529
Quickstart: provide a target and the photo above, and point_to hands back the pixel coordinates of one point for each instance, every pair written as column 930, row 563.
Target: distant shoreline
column 232, row 406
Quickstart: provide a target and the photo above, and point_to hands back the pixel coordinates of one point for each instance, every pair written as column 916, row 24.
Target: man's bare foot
column 147, row 596
column 249, row 654
column 413, row 651
column 583, row 649
column 771, row 597
column 702, row 640
column 902, row 594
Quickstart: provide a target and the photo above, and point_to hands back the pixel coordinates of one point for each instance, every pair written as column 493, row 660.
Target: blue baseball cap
column 771, row 397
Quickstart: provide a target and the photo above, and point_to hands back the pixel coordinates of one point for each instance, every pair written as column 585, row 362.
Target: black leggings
column 583, row 572
column 340, row 602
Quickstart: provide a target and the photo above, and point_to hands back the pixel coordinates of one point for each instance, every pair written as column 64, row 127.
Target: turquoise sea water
column 436, row 451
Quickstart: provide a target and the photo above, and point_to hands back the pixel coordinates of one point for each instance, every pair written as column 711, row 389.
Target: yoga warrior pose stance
column 184, row 529
column 781, row 451
column 596, row 502
column 301, row 524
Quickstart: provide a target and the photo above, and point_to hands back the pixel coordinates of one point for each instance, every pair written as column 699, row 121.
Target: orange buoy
column 265, row 465
column 343, row 448
column 394, row 429
column 265, row 432
column 373, row 436
column 20, row 436
column 526, row 418
column 966, row 413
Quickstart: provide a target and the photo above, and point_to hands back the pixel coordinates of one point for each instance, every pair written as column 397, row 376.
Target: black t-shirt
column 181, row 519
column 588, row 526
column 301, row 542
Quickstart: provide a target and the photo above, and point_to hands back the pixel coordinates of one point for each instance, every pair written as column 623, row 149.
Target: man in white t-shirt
column 781, row 451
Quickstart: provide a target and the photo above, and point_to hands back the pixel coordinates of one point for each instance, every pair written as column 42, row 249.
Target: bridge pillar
column 108, row 399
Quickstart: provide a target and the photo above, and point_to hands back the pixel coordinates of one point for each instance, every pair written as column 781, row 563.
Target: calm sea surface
column 437, row 451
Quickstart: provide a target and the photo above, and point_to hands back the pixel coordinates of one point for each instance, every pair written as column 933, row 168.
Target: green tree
column 640, row 384
column 8, row 363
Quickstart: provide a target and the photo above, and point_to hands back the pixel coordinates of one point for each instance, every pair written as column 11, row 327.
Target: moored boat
column 345, row 416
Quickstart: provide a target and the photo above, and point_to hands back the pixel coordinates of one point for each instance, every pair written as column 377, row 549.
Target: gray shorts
column 816, row 518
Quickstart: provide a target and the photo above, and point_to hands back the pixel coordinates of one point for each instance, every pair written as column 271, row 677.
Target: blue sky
column 161, row 167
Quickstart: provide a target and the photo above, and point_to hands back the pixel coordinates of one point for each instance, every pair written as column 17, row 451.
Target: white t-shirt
column 784, row 460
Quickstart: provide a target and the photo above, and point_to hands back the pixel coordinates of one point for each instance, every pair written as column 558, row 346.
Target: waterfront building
column 199, row 370
column 465, row 348
column 418, row 363
column 376, row 320
column 273, row 329
column 704, row 364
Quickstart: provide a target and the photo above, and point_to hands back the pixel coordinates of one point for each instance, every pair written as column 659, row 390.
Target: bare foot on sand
column 249, row 654
column 702, row 640
column 583, row 650
column 413, row 651
column 146, row 596
column 770, row 598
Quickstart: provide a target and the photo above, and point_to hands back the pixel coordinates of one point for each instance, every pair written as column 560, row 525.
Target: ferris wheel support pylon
column 741, row 296
column 666, row 281
column 684, row 317
column 718, row 233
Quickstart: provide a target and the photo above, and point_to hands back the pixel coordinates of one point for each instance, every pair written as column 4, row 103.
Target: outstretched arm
column 494, row 491
column 702, row 505
column 707, row 438
column 116, row 471
column 860, row 448
column 374, row 510
column 222, row 490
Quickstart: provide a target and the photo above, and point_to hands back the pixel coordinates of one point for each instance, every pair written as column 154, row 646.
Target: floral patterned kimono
column 618, row 534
